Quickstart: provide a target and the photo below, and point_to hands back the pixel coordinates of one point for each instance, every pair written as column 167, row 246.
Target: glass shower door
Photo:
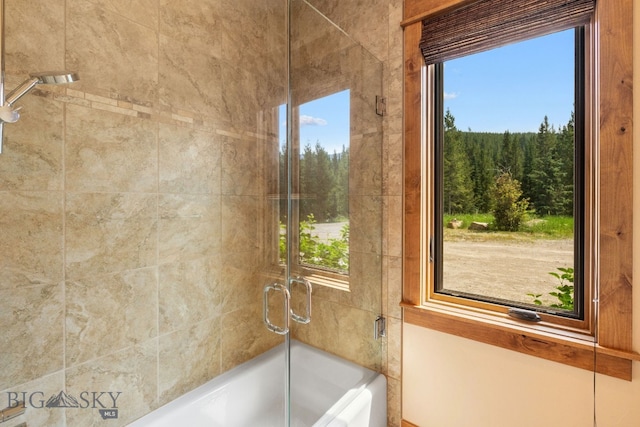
column 323, row 227
column 333, row 216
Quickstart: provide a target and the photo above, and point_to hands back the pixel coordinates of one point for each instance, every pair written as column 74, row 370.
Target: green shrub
column 333, row 254
column 509, row 209
column 564, row 291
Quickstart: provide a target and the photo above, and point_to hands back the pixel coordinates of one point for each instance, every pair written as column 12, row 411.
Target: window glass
column 508, row 206
column 322, row 185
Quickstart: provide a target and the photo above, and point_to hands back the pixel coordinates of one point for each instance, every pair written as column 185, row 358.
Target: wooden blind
column 487, row 24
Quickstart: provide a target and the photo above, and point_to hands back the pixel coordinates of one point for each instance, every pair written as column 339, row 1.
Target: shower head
column 47, row 78
column 55, row 77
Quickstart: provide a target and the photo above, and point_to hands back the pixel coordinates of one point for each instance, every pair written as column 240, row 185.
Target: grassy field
column 533, row 228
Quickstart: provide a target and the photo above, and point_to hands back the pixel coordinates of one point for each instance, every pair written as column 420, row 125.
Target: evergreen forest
column 323, row 183
column 542, row 165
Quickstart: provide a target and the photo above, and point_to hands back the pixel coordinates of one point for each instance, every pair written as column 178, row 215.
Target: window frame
column 611, row 237
column 435, row 293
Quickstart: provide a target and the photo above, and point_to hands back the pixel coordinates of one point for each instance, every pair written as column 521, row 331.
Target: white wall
column 454, row 382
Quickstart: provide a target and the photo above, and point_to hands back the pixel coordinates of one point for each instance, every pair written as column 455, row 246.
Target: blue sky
column 513, row 87
column 510, row 88
column 325, row 120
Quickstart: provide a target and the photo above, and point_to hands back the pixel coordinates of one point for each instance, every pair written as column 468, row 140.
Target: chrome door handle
column 283, row 330
column 298, row 318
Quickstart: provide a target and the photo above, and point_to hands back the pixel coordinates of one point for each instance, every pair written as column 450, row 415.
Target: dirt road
column 510, row 270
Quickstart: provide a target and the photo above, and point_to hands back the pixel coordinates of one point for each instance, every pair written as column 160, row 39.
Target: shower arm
column 24, row 88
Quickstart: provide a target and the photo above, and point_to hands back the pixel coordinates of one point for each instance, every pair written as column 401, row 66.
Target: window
column 602, row 250
column 323, row 180
column 321, row 189
column 509, row 179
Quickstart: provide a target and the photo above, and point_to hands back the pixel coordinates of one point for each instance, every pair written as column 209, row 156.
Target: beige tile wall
column 128, row 200
column 125, row 263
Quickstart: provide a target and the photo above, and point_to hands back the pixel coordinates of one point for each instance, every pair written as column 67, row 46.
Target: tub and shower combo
column 295, row 384
column 328, row 391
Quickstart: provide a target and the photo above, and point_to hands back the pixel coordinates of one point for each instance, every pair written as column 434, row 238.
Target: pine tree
column 307, row 182
column 547, row 175
column 512, row 156
column 482, row 172
column 458, row 187
column 566, row 154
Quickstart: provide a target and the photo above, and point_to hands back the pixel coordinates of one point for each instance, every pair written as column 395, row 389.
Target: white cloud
column 312, row 121
column 451, row 95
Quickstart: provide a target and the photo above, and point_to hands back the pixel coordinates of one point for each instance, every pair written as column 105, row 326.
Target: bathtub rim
column 194, row 396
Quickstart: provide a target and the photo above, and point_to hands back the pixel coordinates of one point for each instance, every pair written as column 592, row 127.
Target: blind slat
column 487, row 24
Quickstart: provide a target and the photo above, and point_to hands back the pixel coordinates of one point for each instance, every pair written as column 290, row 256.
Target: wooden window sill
column 329, row 280
column 571, row 349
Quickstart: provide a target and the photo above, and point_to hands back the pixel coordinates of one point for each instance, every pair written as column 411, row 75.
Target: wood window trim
column 613, row 354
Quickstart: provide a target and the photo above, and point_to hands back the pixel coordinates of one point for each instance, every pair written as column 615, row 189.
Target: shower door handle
column 280, row 330
column 307, row 317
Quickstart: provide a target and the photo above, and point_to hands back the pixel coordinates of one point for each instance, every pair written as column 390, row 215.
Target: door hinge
column 379, row 327
column 381, row 105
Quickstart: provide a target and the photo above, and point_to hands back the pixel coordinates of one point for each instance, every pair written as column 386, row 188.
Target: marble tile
column 393, row 165
column 364, row 119
column 239, row 280
column 321, row 63
column 394, row 346
column 394, row 73
column 32, row 151
column 365, row 282
column 344, row 331
column 188, row 292
column 111, row 52
column 395, row 30
column 189, row 160
column 189, row 23
column 394, row 402
column 143, row 12
column 244, row 165
column 314, row 77
column 35, row 34
column 239, row 224
column 315, row 32
column 188, row 358
column 31, row 226
column 360, row 19
column 394, row 287
column 31, row 318
column 322, row 331
column 355, row 339
column 237, row 82
column 108, row 233
column 35, row 394
column 258, row 27
column 132, row 372
column 109, row 152
column 106, row 313
column 365, row 224
column 189, row 227
column 191, row 81
column 365, row 165
column 245, row 336
column 394, row 224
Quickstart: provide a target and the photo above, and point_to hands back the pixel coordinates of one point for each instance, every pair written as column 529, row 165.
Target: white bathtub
column 325, row 391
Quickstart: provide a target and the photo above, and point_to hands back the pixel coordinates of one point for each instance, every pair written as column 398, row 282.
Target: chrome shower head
column 55, row 77
column 47, row 78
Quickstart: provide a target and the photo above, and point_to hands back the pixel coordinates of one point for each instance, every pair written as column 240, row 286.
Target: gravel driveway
column 509, row 270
